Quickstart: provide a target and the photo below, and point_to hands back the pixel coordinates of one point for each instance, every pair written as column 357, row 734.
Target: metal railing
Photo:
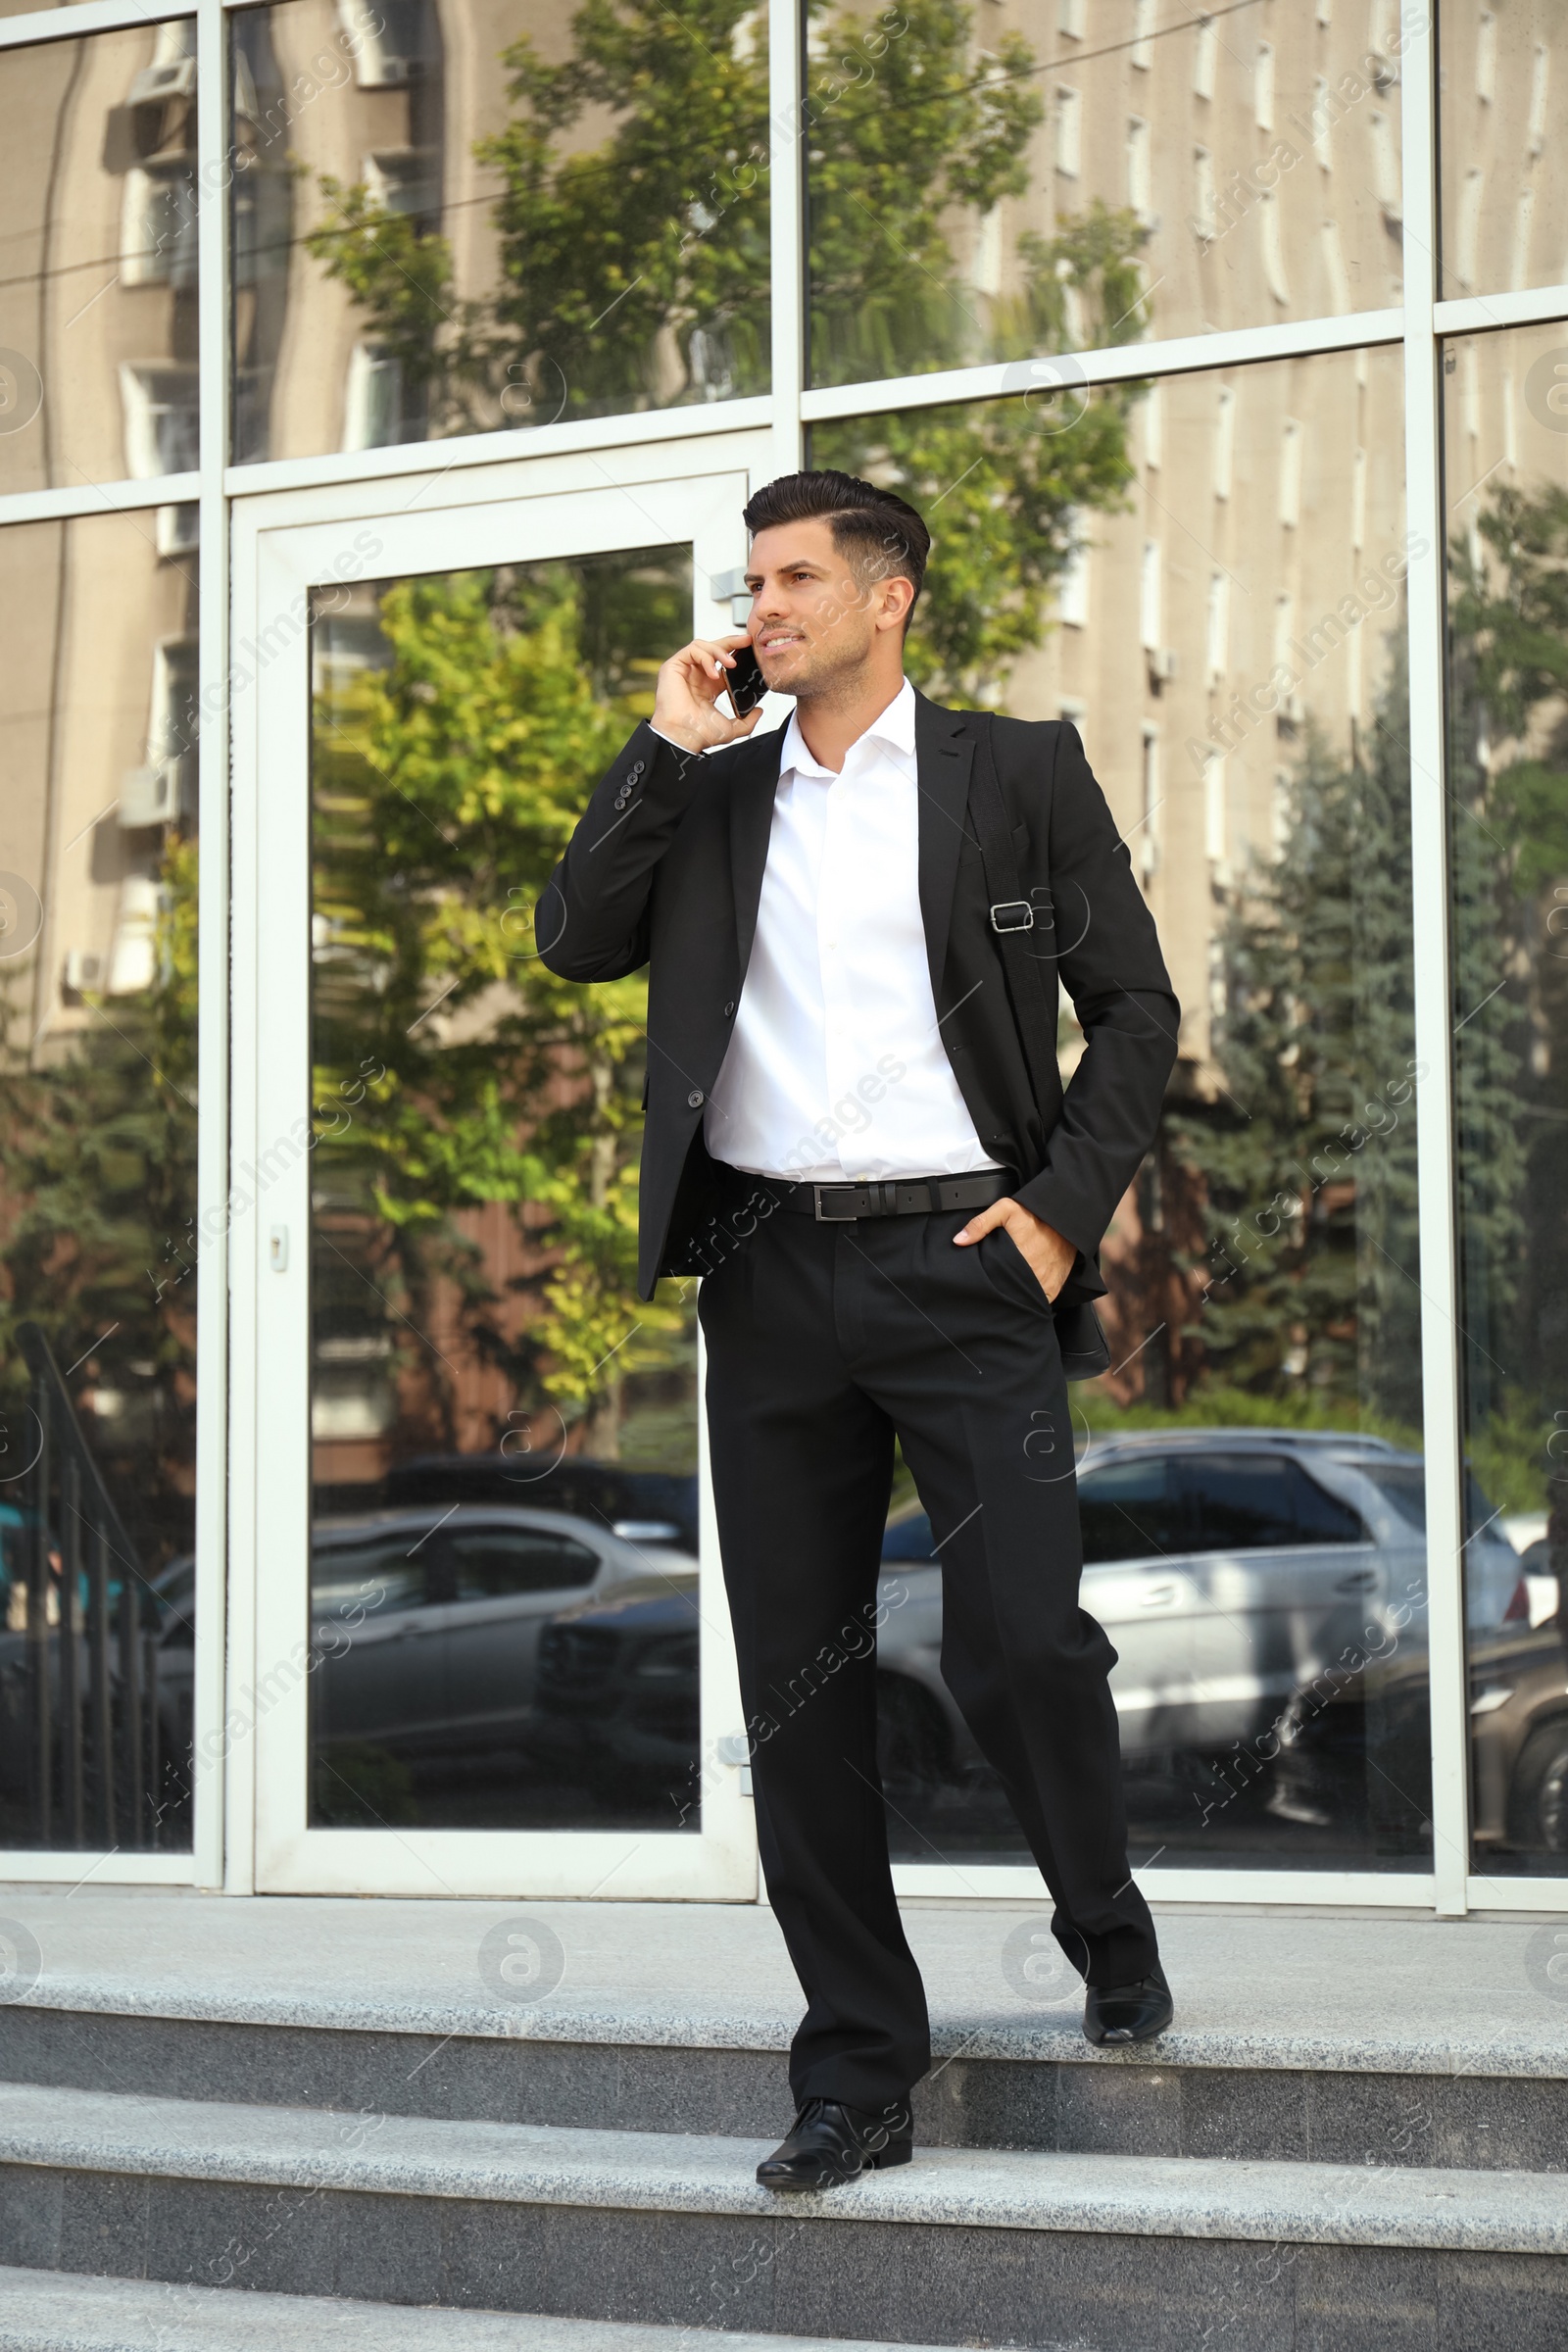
column 85, row 1642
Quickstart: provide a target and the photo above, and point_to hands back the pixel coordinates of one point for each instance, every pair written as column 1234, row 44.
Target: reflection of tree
column 447, row 784
column 1318, row 1311
column 1508, row 781
column 894, row 159
column 98, row 1177
column 633, row 271
column 1307, row 1159
column 1003, row 493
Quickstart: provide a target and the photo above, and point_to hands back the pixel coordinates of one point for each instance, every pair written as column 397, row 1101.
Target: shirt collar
column 892, row 727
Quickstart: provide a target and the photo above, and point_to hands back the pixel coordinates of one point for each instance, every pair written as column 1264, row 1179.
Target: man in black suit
column 897, row 1235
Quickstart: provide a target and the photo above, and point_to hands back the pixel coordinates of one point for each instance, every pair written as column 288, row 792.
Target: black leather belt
column 899, row 1197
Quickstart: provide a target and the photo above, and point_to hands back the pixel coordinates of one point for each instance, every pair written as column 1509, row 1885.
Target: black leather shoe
column 1115, row 2013
column 831, row 2143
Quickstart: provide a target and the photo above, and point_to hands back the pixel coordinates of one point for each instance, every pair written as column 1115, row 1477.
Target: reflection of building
column 99, row 613
column 1259, row 152
column 1250, row 597
column 1504, row 202
column 392, row 100
column 101, row 761
column 1246, row 603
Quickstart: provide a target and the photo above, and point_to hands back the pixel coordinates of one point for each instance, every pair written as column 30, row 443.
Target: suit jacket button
column 694, row 1097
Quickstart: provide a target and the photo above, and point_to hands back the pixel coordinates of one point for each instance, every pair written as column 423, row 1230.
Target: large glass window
column 1504, row 192
column 459, row 219
column 1206, row 576
column 505, row 1436
column 98, row 1244
column 98, row 259
column 1505, row 417
column 985, row 183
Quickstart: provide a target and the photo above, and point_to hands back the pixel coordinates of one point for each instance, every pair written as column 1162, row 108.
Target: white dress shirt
column 834, row 1067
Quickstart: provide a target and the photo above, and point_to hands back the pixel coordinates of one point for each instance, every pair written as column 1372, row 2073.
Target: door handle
column 1360, row 1581
column 1158, row 1596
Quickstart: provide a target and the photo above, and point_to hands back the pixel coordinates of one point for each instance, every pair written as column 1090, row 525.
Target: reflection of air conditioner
column 83, row 971
column 178, row 529
column 156, row 83
column 1291, row 710
column 147, row 796
column 1162, row 663
column 133, row 960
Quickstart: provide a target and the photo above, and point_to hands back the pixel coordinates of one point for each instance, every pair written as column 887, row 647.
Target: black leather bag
column 1085, row 1351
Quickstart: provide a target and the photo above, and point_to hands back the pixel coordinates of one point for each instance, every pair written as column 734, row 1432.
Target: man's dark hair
column 878, row 532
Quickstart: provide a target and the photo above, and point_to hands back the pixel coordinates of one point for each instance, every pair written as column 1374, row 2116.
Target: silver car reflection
column 426, row 1622
column 1228, row 1566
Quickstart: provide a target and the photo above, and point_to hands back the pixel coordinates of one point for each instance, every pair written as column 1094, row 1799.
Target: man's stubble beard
column 835, row 675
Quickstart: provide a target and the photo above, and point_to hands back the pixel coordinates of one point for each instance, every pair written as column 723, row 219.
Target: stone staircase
column 1356, row 2136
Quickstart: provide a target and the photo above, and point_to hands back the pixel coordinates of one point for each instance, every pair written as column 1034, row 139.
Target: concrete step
column 1063, row 2095
column 53, row 2311
column 1359, row 2041
column 1110, row 2252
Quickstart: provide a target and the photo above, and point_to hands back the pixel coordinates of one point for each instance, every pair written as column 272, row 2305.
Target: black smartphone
column 745, row 684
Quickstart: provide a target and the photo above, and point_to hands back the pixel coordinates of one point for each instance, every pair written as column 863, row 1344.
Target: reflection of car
column 1225, row 1565
column 618, row 1692
column 1542, row 1563
column 426, row 1622
column 643, row 1506
column 1359, row 1750
column 617, row 1699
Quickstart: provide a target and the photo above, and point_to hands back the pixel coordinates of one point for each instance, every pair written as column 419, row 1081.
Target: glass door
column 490, row 1651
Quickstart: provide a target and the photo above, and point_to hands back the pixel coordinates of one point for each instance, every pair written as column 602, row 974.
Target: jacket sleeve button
column 694, row 1097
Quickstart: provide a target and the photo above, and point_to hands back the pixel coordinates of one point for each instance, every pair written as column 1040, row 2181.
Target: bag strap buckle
column 1008, row 906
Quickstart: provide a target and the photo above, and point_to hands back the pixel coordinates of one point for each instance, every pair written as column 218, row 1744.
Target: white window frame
column 1140, row 169
column 1067, row 142
column 1141, row 54
column 1206, row 57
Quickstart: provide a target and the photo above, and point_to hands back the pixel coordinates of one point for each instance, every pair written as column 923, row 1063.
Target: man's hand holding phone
column 690, row 683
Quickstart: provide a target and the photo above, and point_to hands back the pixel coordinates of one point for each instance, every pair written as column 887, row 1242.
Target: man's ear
column 894, row 597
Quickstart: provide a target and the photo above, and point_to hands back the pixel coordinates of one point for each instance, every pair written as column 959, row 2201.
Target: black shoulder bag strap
column 1015, row 921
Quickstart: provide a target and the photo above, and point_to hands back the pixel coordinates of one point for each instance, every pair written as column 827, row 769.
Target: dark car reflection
column 618, row 1694
column 1357, row 1750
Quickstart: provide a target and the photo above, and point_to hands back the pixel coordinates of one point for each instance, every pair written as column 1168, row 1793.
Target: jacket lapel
column 750, row 820
column 944, row 752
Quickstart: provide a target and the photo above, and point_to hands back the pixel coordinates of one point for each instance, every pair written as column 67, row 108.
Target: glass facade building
column 380, row 384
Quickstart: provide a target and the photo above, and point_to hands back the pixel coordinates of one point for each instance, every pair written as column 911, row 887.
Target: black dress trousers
column 823, row 1340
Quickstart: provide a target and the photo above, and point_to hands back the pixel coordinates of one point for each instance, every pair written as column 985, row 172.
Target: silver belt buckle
column 817, row 1190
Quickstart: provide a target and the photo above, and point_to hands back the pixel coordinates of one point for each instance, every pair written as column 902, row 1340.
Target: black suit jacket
column 666, row 869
